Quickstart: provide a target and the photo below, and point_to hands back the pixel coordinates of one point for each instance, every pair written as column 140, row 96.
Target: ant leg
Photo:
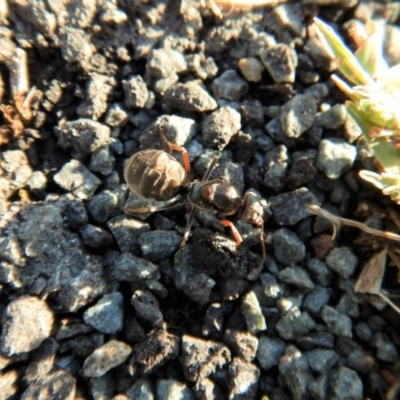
column 179, row 149
column 150, row 209
column 210, row 169
column 187, row 228
column 235, row 232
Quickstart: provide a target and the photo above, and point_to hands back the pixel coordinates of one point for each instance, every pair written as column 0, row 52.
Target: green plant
column 374, row 101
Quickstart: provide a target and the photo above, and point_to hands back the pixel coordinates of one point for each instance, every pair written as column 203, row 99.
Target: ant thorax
column 216, row 196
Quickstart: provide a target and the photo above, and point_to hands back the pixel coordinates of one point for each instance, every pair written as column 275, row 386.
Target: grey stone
column 102, row 161
column 288, row 248
column 72, row 209
column 346, row 385
column 320, row 271
column 74, row 177
column 162, row 63
column 280, row 61
column 147, row 307
column 27, row 323
column 189, row 97
column 17, row 168
column 107, row 314
column 60, row 384
column 298, row 114
column 116, row 115
column 213, row 321
column 343, row 261
column 129, row 268
column 316, row 339
column 295, row 372
column 272, row 289
column 37, row 183
column 298, row 277
column 275, row 163
column 75, row 46
column 294, row 324
column 95, row 102
column 251, row 68
column 338, row 324
column 157, row 245
column 101, row 205
column 141, row 390
column 361, row 361
column 252, row 313
column 243, row 379
column 155, row 350
column 316, row 299
column 43, row 361
column 229, row 86
column 200, row 358
column 83, row 136
column 219, row 127
column 321, row 360
column 243, row 344
column 106, row 357
column 269, row 351
column 290, row 208
column 333, row 118
column 135, row 91
column 94, row 236
column 198, row 287
column 176, row 129
column 335, row 157
column 126, row 232
column 363, row 331
column 171, row 389
column 385, row 349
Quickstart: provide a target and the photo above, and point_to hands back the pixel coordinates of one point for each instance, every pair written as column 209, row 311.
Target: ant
column 156, row 175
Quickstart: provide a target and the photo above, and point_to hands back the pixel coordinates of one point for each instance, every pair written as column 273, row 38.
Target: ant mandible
column 156, row 175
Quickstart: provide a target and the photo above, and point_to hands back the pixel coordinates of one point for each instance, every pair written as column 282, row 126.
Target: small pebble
column 298, row 277
column 147, row 307
column 171, row 389
column 297, row 115
column 243, row 379
column 198, row 288
column 100, row 206
column 27, row 322
column 335, row 157
column 251, row 68
column 294, row 324
column 338, row 324
column 288, row 248
column 116, row 115
column 107, row 314
column 269, row 351
column 74, row 177
column 219, row 127
column 141, row 390
column 252, row 313
column 189, row 97
column 343, row 261
column 106, row 357
column 229, row 86
column 295, row 372
column 83, row 136
column 135, row 91
column 280, row 61
column 321, row 360
column 157, row 245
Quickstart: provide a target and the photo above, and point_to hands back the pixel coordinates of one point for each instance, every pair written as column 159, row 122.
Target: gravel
column 98, row 303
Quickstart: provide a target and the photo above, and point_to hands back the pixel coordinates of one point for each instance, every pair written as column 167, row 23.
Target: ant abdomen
column 155, row 175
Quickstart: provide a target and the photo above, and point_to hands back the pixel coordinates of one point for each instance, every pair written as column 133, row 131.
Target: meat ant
column 156, row 175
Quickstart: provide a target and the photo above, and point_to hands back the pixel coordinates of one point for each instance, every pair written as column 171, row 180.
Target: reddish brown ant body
column 156, row 175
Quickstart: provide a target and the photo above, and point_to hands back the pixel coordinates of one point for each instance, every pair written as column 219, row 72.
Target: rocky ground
column 99, row 304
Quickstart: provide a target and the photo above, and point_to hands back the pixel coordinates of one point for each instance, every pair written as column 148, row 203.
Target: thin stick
column 338, row 221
